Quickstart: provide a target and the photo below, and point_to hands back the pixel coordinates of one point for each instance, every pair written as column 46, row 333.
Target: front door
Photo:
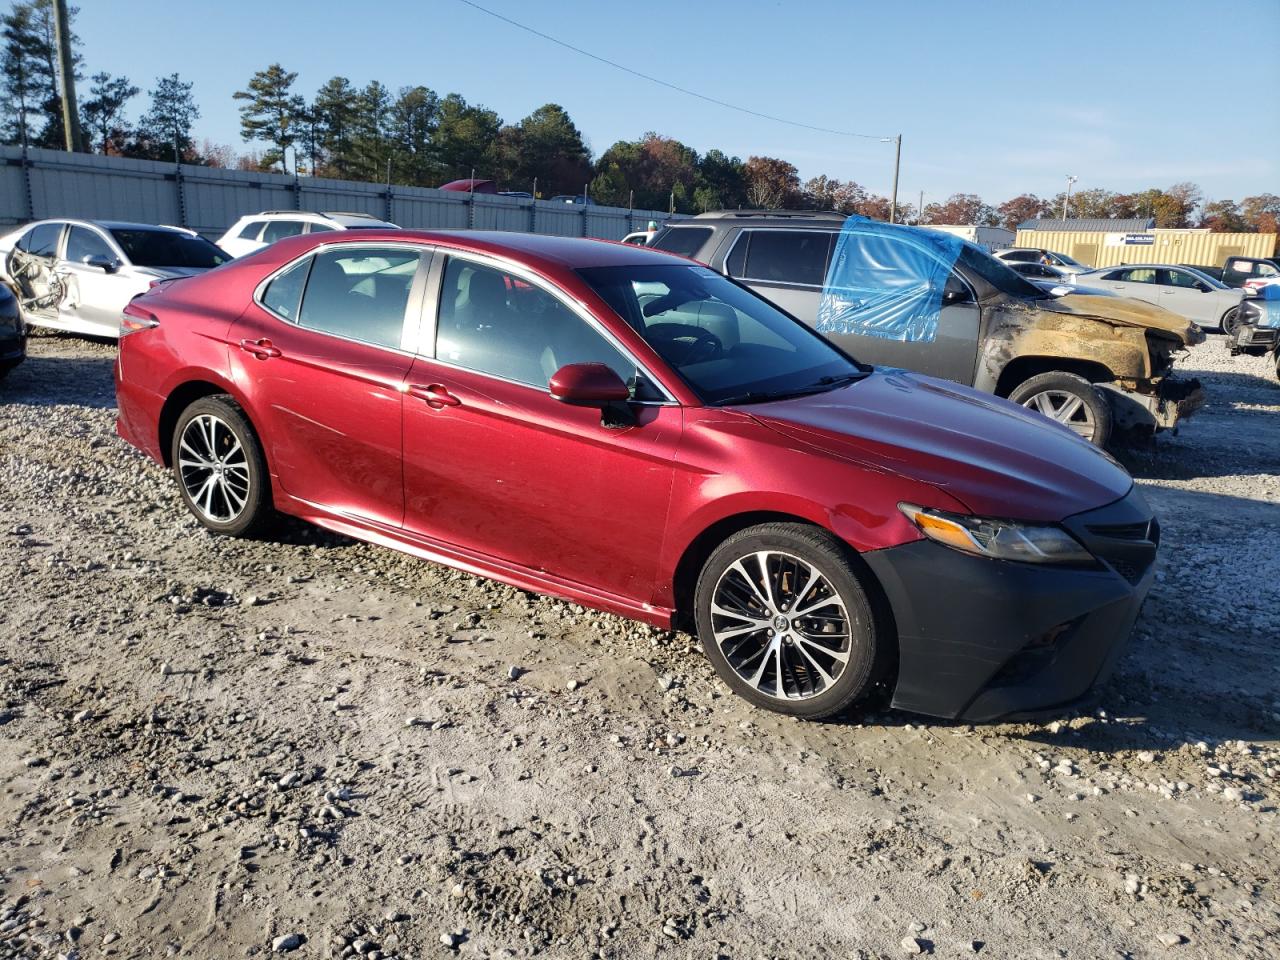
column 96, row 295
column 322, row 360
column 494, row 465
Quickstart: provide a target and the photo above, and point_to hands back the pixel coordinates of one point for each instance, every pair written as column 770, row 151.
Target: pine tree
column 272, row 112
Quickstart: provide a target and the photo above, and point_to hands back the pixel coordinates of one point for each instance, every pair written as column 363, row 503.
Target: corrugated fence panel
column 210, row 199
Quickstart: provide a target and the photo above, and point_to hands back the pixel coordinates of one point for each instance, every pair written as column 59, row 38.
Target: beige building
column 1109, row 248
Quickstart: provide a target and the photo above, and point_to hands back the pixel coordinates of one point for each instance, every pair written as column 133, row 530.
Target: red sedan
column 635, row 432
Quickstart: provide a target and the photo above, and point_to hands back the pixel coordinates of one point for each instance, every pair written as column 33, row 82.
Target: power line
column 664, row 83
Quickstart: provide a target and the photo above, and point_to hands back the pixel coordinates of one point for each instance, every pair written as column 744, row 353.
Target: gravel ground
column 306, row 745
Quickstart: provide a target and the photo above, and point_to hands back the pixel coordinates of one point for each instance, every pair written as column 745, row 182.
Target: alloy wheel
column 781, row 625
column 214, row 468
column 1066, row 408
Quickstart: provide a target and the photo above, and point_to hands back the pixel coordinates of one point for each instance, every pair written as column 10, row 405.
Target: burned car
column 1259, row 328
column 925, row 301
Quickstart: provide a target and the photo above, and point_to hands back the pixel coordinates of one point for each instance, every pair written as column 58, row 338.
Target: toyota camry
column 635, row 432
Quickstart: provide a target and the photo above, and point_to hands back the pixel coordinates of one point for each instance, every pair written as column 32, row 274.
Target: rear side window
column 321, row 227
column 83, row 244
column 1021, row 256
column 285, row 291
column 787, row 256
column 686, row 241
column 1140, row 275
column 360, row 293
column 42, row 241
column 251, row 230
column 279, row 229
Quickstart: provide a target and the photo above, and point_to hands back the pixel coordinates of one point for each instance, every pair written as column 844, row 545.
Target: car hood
column 1125, row 311
column 169, row 273
column 997, row 458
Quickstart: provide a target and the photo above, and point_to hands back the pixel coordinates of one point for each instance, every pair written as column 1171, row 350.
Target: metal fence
column 39, row 184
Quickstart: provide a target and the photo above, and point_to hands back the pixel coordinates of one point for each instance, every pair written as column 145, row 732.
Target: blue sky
column 991, row 98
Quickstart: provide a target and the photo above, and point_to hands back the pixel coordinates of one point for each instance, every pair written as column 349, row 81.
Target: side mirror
column 102, row 262
column 588, row 385
column 954, row 292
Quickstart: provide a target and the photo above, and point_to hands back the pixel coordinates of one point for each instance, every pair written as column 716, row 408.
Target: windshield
column 997, row 273
column 729, row 345
column 168, row 248
column 1213, row 282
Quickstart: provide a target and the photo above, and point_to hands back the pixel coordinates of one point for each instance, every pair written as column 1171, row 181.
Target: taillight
column 135, row 318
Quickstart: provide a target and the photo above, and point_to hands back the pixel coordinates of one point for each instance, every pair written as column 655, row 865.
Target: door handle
column 262, row 349
column 436, row 395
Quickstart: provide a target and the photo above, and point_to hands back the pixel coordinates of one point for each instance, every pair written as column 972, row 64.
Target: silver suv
column 1092, row 363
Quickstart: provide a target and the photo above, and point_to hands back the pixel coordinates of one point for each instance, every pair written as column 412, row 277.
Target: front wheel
column 219, row 466
column 786, row 622
column 1231, row 322
column 1071, row 400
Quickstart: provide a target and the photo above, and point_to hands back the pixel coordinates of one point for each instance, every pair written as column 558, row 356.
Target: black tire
column 792, row 655
column 220, row 510
column 1092, row 419
column 1230, row 322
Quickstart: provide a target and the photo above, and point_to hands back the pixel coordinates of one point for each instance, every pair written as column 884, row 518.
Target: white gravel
column 188, row 773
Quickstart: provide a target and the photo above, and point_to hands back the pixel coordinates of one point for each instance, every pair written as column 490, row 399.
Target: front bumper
column 1252, row 337
column 1159, row 404
column 983, row 639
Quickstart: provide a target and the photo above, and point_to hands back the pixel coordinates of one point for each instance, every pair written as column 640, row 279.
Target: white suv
column 255, row 231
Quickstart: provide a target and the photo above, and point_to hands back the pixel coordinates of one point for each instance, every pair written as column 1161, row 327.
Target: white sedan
column 1195, row 295
column 78, row 275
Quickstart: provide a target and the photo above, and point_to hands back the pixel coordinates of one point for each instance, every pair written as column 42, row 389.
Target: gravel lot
column 218, row 748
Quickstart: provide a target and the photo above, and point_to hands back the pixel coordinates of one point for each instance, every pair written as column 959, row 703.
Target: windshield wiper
column 822, row 385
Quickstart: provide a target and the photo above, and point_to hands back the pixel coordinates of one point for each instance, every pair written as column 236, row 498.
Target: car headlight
column 998, row 539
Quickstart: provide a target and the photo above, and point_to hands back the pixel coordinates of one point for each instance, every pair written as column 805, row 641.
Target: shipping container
column 1198, row 247
column 989, row 238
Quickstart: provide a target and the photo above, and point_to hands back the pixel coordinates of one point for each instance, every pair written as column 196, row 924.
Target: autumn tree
column 964, row 209
column 1020, row 209
column 1223, row 216
column 772, row 184
column 1261, row 212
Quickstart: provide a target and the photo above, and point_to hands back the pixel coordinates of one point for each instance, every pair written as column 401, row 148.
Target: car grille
column 1124, row 535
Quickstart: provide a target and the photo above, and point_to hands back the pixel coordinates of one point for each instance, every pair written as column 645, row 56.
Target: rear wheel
column 786, row 621
column 1071, row 400
column 1230, row 322
column 220, row 468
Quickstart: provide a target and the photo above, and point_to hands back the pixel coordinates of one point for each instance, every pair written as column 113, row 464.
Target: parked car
column 1034, row 270
column 1037, row 255
column 632, row 431
column 1184, row 290
column 638, row 237
column 1258, row 330
column 1215, row 272
column 13, row 332
column 1094, row 363
column 573, row 198
column 471, row 185
column 1250, row 271
column 1054, row 281
column 254, row 231
column 77, row 275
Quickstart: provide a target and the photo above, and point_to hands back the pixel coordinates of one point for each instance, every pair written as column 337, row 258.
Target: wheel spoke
column 1044, row 404
column 803, row 643
column 742, row 572
column 1069, row 408
column 762, row 559
column 827, row 679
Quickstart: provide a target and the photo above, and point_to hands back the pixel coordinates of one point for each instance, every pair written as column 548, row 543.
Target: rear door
column 1141, row 283
column 787, row 267
column 322, row 354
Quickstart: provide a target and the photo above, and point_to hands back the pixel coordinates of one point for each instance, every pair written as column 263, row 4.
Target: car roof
column 534, row 249
column 114, row 224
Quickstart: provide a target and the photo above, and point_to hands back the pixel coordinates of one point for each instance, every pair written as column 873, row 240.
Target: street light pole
column 1066, row 202
column 897, row 165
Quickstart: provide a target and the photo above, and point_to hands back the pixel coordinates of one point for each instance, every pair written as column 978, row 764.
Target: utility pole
column 67, row 79
column 1066, row 201
column 897, row 164
column 920, row 210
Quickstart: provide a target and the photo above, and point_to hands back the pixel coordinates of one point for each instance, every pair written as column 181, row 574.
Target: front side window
column 359, row 293
column 785, row 256
column 168, row 248
column 686, row 241
column 42, row 241
column 279, row 229
column 1021, row 256
column 82, row 244
column 728, row 344
column 1180, row 278
column 495, row 323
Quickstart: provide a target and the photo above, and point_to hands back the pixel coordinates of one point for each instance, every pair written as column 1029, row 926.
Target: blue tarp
column 887, row 281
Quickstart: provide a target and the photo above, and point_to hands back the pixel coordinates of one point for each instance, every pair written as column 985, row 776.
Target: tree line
column 415, row 136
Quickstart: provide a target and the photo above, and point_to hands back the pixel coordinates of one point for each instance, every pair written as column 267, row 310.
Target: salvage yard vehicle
column 632, row 431
column 257, row 230
column 77, row 275
column 1184, row 290
column 1250, row 271
column 13, row 332
column 1096, row 364
column 1259, row 328
column 1050, row 258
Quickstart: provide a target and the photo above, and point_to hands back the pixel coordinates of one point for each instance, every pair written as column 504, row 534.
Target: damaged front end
column 41, row 289
column 1127, row 347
